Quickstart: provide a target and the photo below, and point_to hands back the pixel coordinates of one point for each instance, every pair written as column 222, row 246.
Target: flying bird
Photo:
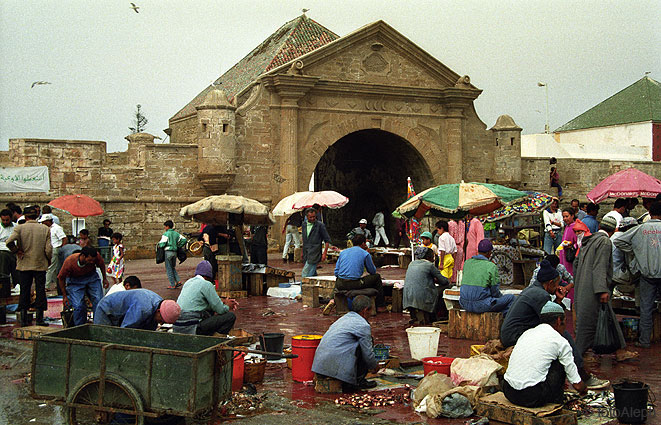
column 135, row 8
column 39, row 83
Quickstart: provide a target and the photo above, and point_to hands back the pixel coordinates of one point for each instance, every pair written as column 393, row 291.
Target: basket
column 196, row 248
column 381, row 352
column 253, row 370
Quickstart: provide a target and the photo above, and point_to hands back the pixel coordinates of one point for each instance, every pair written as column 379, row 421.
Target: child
column 116, row 266
column 84, row 238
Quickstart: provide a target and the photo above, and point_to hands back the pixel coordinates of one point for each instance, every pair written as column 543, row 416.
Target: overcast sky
column 102, row 58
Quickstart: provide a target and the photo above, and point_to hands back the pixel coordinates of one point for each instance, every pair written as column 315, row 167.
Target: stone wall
column 138, row 189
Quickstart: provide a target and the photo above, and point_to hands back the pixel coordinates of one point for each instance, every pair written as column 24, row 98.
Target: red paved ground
column 293, row 318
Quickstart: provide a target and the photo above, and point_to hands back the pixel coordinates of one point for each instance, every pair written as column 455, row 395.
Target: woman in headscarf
column 423, row 288
column 568, row 242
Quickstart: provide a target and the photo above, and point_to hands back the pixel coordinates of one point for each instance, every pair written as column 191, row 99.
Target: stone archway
column 370, row 167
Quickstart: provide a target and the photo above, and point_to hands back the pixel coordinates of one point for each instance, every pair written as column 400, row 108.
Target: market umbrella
column 458, row 199
column 77, row 205
column 536, row 201
column 223, row 209
column 299, row 201
column 629, row 183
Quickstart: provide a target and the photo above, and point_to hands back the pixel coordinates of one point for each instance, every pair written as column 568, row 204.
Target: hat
column 362, row 221
column 204, row 269
column 426, row 235
column 484, row 246
column 546, row 272
column 552, row 308
column 627, row 223
column 421, row 252
column 609, row 224
column 170, row 311
column 46, row 217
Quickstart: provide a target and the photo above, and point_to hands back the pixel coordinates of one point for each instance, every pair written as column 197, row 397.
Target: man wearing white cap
column 57, row 239
column 361, row 230
column 541, row 361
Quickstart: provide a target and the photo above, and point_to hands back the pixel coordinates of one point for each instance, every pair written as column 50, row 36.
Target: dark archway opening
column 370, row 167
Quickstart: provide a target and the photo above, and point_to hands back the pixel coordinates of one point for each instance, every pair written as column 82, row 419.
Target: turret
column 216, row 142
column 507, row 152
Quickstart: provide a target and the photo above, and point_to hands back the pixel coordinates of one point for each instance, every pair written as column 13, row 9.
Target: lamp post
column 546, row 88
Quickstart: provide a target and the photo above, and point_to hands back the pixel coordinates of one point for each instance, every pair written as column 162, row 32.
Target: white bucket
column 423, row 342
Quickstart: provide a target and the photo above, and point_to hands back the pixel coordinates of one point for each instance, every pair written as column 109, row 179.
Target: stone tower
column 507, row 154
column 216, row 142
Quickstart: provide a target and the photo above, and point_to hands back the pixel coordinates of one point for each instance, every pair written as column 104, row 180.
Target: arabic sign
column 24, row 179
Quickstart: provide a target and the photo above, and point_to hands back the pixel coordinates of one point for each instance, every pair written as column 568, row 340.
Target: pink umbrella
column 629, row 183
column 325, row 198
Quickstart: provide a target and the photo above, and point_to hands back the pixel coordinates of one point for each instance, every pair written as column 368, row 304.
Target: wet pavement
column 288, row 401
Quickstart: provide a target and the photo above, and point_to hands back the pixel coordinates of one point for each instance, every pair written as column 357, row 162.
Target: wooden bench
column 478, row 327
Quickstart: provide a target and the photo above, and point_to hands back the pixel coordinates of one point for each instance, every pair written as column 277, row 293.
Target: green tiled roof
column 295, row 38
column 639, row 102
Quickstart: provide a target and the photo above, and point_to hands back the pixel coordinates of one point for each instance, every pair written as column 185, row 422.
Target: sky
column 102, row 58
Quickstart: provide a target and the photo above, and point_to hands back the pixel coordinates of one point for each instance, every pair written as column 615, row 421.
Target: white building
column 626, row 126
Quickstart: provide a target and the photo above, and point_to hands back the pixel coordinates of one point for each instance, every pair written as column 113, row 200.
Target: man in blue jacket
column 349, row 270
column 137, row 308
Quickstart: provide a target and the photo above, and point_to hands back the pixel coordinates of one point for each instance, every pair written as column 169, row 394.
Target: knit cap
column 170, row 311
column 485, row 245
column 204, row 269
column 608, row 224
column 546, row 272
column 421, row 252
column 552, row 308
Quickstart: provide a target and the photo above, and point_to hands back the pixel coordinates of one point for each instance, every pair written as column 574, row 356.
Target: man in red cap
column 137, row 308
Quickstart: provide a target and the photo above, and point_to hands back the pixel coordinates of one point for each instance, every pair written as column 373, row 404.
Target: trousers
column 380, row 234
column 77, row 288
column 551, row 390
column 25, row 298
column 369, row 281
column 650, row 290
column 170, row 267
column 292, row 235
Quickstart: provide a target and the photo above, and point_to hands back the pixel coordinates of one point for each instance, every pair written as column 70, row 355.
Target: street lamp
column 546, row 88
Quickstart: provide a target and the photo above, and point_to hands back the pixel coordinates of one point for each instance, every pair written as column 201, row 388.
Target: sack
column 181, row 254
column 570, row 253
column 478, row 371
column 160, row 254
column 605, row 339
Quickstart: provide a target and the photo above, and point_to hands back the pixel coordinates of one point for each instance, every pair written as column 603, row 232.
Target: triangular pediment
column 375, row 53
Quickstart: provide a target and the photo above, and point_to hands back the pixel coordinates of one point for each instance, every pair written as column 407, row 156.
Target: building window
column 511, row 141
column 226, row 128
column 496, row 141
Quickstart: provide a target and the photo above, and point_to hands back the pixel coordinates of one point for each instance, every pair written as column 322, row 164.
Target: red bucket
column 238, row 367
column 305, row 346
column 439, row 364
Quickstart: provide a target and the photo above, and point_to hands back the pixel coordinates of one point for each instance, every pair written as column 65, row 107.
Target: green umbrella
column 458, row 199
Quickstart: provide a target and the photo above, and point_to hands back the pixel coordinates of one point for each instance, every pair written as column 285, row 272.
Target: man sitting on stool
column 345, row 351
column 480, row 285
column 199, row 301
column 541, row 360
column 349, row 270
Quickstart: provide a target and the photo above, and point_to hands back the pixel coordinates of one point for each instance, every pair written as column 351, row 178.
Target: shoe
column 171, row 287
column 25, row 318
column 365, row 384
column 178, row 285
column 40, row 318
column 642, row 345
column 594, row 383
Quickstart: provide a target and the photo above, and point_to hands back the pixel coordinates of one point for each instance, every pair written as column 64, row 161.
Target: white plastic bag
column 477, row 370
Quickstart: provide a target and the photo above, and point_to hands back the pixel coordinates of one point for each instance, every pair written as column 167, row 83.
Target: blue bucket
column 381, row 352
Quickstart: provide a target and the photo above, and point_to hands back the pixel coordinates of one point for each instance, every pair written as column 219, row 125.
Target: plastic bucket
column 423, row 342
column 630, row 328
column 439, row 364
column 631, row 402
column 237, row 370
column 381, row 352
column 305, row 346
column 273, row 343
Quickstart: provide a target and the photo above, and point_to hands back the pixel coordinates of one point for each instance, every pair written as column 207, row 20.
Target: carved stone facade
column 360, row 114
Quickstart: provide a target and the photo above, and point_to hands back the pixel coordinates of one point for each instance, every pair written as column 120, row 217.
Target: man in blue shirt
column 345, row 351
column 137, row 308
column 349, row 270
column 590, row 219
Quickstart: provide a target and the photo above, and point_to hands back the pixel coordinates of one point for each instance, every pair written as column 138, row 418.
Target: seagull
column 39, row 83
column 135, row 8
column 305, row 10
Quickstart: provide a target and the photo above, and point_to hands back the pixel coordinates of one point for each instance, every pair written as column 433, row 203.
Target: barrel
column 631, row 402
column 305, row 346
column 237, row 370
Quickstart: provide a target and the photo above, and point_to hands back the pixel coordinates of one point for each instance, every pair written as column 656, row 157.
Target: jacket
column 312, row 242
column 644, row 242
column 34, row 240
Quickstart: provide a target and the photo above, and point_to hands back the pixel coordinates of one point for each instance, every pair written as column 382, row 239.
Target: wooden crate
column 13, row 299
column 29, row 332
column 233, row 294
column 324, row 384
column 509, row 415
column 404, row 261
column 326, row 286
column 477, row 327
column 397, row 299
column 230, row 276
column 310, row 294
column 256, row 284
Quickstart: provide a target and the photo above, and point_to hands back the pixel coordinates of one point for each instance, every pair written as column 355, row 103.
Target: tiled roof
column 295, row 38
column 639, row 102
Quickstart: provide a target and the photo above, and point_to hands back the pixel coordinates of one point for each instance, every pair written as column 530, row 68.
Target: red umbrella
column 77, row 205
column 629, row 183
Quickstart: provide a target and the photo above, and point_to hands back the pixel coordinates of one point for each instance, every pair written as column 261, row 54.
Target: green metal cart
column 104, row 374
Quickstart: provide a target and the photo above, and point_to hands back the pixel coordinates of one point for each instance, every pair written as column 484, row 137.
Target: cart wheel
column 118, row 394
